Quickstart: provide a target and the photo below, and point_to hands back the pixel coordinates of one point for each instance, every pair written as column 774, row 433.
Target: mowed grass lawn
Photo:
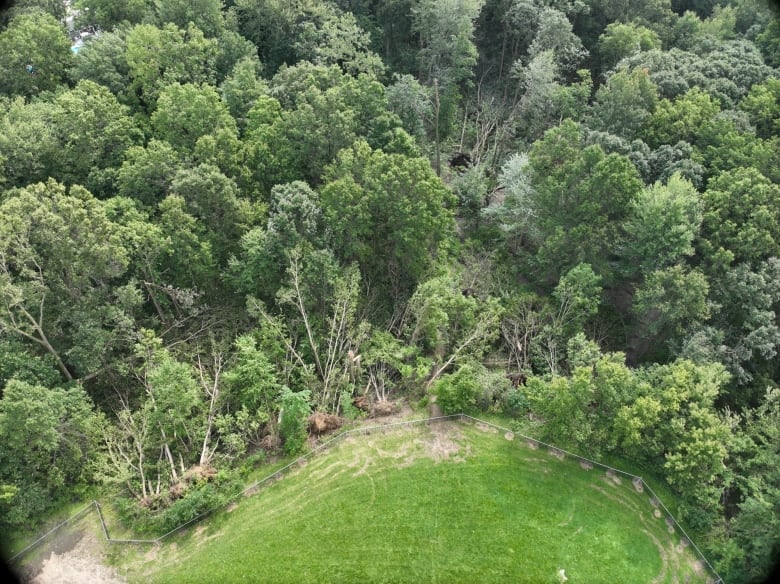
column 446, row 503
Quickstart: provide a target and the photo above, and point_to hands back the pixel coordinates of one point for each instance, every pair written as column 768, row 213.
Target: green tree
column 450, row 326
column 741, row 217
column 50, row 448
column 102, row 59
column 555, row 33
column 620, row 40
column 215, row 201
column 242, row 88
column 107, row 14
column 672, row 423
column 253, row 382
column 663, row 225
column 457, row 392
column 28, row 143
column 292, row 420
column 157, row 57
column 672, row 300
column 624, row 103
column 147, row 172
column 35, row 54
column 756, row 495
column 61, row 260
column 187, row 112
column 389, row 213
column 680, row 119
column 762, row 103
column 204, row 14
column 579, row 410
column 581, row 198
column 22, row 363
column 295, row 220
column 93, row 130
column 746, row 319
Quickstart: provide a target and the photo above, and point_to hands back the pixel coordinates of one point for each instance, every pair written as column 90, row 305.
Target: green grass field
column 446, row 503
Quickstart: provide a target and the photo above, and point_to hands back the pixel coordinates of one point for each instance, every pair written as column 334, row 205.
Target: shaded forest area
column 217, row 217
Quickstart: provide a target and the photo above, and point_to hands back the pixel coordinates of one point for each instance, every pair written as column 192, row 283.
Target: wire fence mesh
column 638, row 482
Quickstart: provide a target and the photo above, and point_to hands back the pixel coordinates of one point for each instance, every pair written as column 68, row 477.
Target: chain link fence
column 639, row 484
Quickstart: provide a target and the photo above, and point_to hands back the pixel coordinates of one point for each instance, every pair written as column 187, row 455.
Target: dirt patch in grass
column 77, row 565
column 485, row 428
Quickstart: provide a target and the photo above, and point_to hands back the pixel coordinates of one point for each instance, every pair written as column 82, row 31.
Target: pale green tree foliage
column 28, row 143
column 108, row 13
column 93, row 132
column 187, row 112
column 60, row 263
column 319, row 323
column 254, row 386
column 338, row 40
column 445, row 29
column 680, row 119
column 205, row 14
column 579, row 410
column 624, row 103
column 673, row 423
column 50, row 447
column 516, row 215
column 449, row 325
column 762, row 103
column 242, row 87
column 157, row 57
column 35, row 54
column 555, row 34
column 577, row 296
column 153, row 442
column 621, row 40
column 147, row 172
column 664, row 222
column 457, row 392
column 741, row 217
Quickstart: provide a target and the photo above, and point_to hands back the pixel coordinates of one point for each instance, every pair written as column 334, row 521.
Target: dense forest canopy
column 219, row 216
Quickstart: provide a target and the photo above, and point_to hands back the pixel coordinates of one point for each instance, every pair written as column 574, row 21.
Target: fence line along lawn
column 446, row 503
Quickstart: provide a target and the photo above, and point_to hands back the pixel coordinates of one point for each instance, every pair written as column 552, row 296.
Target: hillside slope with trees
column 220, row 216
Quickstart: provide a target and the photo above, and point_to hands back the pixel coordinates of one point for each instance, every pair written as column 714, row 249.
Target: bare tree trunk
column 212, row 390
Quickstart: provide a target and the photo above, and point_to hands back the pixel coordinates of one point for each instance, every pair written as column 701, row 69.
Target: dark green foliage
column 457, row 393
column 294, row 412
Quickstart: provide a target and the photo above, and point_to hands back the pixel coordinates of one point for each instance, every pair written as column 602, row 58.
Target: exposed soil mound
column 320, row 423
column 382, row 408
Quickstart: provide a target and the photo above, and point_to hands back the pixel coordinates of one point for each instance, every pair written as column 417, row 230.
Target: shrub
column 458, row 391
